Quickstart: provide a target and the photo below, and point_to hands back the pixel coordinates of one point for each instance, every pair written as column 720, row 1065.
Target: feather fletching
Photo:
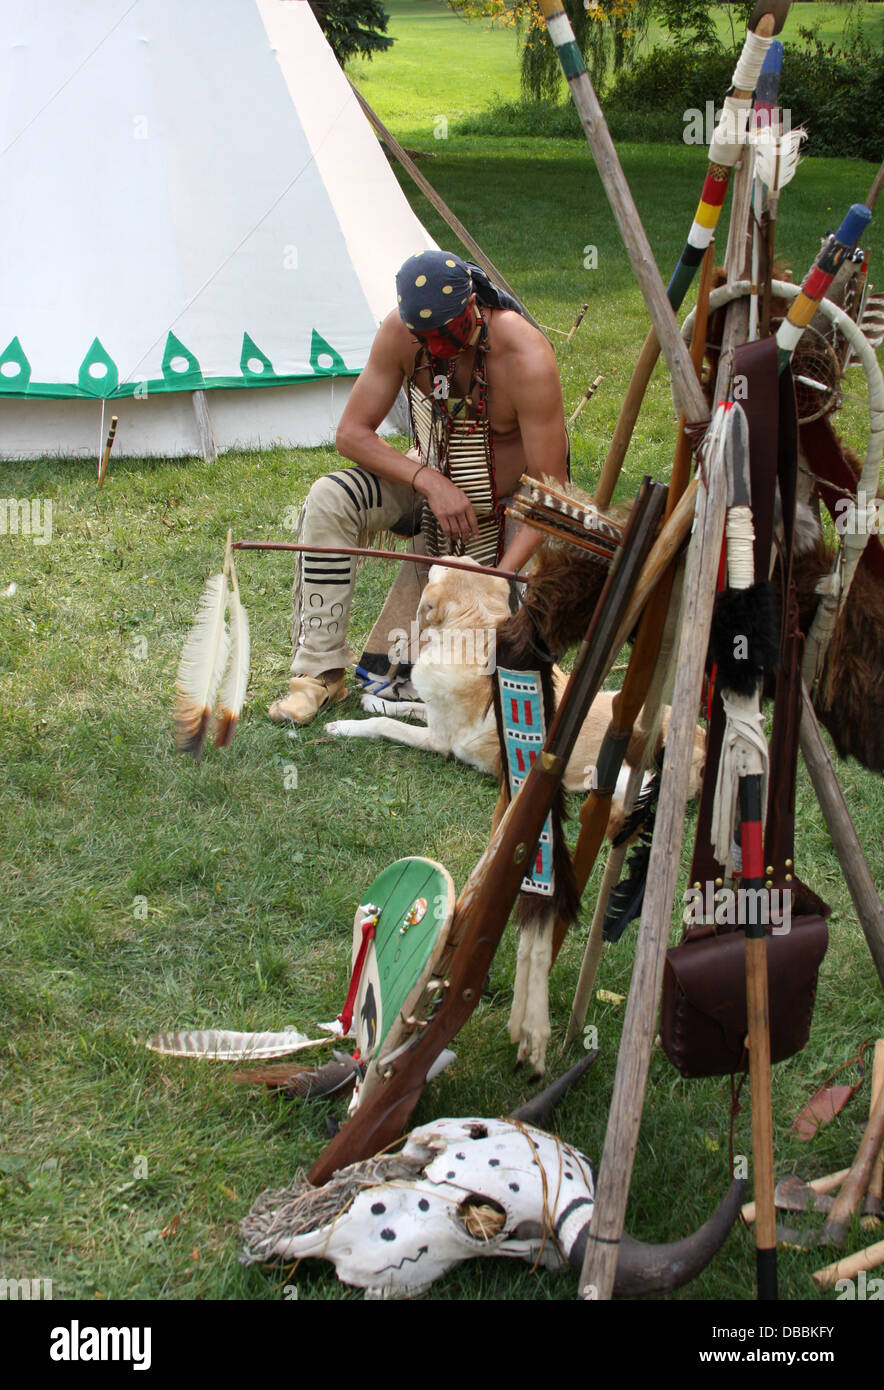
column 236, row 677
column 221, row 1045
column 777, row 156
column 199, row 671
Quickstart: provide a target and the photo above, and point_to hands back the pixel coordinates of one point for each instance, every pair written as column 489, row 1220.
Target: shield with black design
column 400, row 949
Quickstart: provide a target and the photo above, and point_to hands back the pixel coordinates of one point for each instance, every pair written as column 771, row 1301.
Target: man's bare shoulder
column 394, row 343
column 513, row 336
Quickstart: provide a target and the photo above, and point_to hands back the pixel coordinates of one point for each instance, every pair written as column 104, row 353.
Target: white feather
column 236, row 677
column 221, row 1045
column 777, row 156
column 199, row 671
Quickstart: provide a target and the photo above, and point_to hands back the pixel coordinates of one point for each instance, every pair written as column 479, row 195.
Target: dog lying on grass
column 458, row 616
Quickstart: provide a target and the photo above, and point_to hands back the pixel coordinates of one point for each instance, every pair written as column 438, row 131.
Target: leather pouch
column 703, row 1022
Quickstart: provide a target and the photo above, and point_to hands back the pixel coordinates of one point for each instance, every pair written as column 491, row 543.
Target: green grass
column 141, row 891
column 444, row 65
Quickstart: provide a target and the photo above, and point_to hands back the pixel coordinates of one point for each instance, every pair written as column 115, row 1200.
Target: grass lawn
column 141, row 891
column 444, row 65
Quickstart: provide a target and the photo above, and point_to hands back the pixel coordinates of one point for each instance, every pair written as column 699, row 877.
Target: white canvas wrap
column 200, row 169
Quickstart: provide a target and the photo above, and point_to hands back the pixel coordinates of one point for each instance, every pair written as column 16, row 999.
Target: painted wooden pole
column 105, row 457
column 765, row 21
column 687, row 389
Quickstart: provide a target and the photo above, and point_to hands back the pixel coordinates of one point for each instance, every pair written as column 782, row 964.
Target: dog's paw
column 374, row 704
column 341, row 728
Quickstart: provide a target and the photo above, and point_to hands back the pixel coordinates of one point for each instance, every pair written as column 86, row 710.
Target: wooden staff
column 103, row 461
column 687, row 389
column 876, row 1182
column 437, row 201
column 870, row 1258
column 596, row 809
column 577, row 322
column 649, row 725
column 447, row 562
column 766, row 20
column 823, row 776
column 749, row 610
column 587, row 395
column 849, row 1199
column 484, row 905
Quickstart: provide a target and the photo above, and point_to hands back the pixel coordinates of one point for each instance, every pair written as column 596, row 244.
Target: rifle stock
column 484, row 906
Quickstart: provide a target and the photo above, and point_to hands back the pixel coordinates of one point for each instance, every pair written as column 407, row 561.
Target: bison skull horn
column 458, row 1189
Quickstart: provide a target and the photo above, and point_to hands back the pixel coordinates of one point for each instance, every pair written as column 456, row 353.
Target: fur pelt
column 849, row 698
column 558, row 602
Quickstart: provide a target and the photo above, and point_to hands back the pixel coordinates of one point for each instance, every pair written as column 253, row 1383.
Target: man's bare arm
column 537, row 393
column 370, row 401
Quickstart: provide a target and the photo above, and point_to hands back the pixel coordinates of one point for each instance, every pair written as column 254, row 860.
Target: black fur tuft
column 744, row 640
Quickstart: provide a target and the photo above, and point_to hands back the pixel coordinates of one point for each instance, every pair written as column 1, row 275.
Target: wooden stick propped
column 103, row 461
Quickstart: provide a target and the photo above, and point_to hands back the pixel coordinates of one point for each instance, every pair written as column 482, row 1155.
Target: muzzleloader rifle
column 486, row 901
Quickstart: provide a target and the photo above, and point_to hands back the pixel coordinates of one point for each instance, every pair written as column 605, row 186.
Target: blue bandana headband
column 433, row 287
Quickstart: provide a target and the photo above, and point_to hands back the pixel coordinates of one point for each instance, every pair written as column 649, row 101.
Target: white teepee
column 192, row 202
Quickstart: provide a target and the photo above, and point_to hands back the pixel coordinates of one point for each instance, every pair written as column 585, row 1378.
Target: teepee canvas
column 193, row 202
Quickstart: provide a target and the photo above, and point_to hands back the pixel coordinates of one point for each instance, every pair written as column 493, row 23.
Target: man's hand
column 450, row 506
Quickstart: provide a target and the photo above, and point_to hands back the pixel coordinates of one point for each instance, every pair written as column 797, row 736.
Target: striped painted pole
column 818, row 279
column 764, row 118
column 766, row 20
column 730, row 135
column 684, row 380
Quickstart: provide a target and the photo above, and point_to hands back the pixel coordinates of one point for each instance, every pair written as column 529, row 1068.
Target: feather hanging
column 236, row 677
column 777, row 156
column 221, row 1045
column 199, row 671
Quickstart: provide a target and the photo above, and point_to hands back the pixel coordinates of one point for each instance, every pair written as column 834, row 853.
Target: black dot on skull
column 378, row 1209
column 494, row 1163
column 424, row 1204
column 387, row 1234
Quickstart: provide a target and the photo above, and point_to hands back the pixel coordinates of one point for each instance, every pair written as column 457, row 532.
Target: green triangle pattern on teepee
column 180, row 368
column 98, row 371
column 324, row 360
column 16, row 375
column 250, row 356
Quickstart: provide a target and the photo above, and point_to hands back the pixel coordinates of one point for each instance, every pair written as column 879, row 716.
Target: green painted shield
column 416, row 902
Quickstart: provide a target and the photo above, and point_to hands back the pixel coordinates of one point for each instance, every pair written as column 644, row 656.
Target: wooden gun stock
column 484, row 905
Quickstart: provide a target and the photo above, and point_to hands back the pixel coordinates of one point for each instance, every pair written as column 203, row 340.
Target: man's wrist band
column 414, row 475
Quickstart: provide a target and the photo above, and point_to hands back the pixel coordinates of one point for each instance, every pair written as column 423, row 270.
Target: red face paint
column 447, row 341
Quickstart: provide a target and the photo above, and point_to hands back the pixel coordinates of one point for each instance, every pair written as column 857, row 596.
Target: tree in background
column 353, row 26
column 606, row 32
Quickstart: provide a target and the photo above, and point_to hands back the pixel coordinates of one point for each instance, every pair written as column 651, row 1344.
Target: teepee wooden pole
column 208, row 447
column 869, row 908
column 437, row 200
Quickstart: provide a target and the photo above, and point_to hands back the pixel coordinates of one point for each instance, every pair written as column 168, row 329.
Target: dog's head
column 456, row 598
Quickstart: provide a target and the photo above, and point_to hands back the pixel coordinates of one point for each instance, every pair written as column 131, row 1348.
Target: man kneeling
column 485, row 406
